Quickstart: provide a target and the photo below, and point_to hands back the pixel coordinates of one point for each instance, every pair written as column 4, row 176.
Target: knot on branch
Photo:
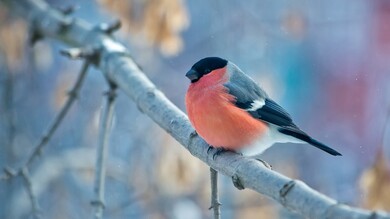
column 44, row 140
column 9, row 172
column 72, row 94
column 285, row 190
column 215, row 205
column 68, row 10
column 173, row 122
column 39, row 22
column 90, row 54
column 111, row 93
column 149, row 94
column 267, row 165
column 67, row 21
column 79, row 53
column 98, row 203
column 237, row 182
column 35, row 36
column 109, row 28
column 173, row 125
column 65, row 24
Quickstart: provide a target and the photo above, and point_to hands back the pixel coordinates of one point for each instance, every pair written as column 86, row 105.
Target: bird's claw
column 193, row 134
column 209, row 149
column 217, row 151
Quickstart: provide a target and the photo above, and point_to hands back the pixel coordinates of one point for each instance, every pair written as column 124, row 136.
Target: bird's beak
column 192, row 75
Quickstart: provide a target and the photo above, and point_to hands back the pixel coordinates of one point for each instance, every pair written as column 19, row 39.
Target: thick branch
column 122, row 70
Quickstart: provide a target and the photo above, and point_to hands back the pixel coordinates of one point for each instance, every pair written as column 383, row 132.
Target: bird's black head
column 204, row 67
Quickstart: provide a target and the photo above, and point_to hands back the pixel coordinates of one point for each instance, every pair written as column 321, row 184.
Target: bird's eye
column 207, row 71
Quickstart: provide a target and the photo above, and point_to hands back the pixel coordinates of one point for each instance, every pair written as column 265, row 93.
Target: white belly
column 271, row 137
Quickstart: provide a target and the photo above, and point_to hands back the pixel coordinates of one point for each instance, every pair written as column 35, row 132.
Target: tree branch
column 56, row 122
column 24, row 170
column 215, row 205
column 119, row 68
column 102, row 153
column 60, row 116
column 33, row 199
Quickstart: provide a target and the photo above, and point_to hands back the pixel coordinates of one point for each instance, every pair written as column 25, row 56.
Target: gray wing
column 246, row 92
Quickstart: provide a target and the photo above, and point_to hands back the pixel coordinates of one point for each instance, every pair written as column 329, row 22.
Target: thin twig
column 23, row 171
column 72, row 96
column 60, row 116
column 215, row 204
column 102, row 153
column 33, row 199
column 9, row 112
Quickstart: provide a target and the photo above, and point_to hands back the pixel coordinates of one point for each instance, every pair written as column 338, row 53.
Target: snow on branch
column 117, row 65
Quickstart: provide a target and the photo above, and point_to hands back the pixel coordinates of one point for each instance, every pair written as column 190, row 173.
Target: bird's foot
column 193, row 134
column 209, row 149
column 217, row 151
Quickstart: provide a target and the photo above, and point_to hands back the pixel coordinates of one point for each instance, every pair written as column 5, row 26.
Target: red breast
column 217, row 120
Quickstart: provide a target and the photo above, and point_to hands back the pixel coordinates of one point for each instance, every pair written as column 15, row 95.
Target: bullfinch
column 229, row 110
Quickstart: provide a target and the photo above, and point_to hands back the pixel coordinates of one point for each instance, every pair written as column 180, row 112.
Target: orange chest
column 219, row 122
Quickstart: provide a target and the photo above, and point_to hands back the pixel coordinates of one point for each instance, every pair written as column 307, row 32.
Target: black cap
column 205, row 66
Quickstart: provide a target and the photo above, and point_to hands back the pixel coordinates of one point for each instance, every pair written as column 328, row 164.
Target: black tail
column 297, row 133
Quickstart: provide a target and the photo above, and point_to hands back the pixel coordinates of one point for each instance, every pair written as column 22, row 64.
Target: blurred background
column 326, row 62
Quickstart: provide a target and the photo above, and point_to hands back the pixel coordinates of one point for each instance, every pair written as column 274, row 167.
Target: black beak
column 192, row 75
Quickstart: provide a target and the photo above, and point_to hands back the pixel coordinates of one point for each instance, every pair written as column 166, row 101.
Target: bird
column 230, row 111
